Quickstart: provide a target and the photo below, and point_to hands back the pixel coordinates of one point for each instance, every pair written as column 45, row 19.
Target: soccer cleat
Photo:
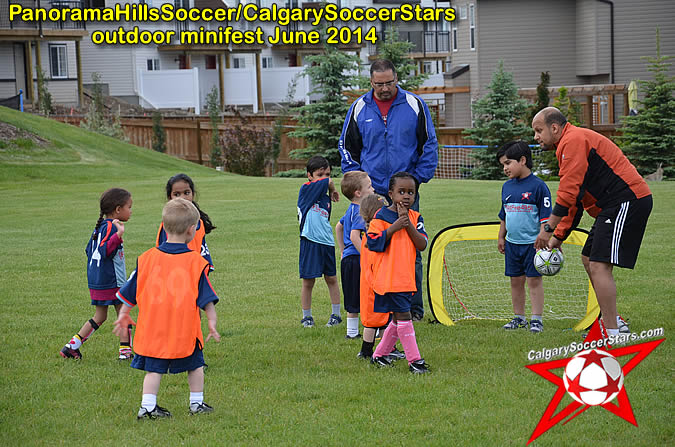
column 125, row 353
column 156, row 413
column 307, row 322
column 334, row 320
column 516, row 323
column 536, row 326
column 381, row 362
column 363, row 356
column 622, row 325
column 395, row 355
column 199, row 408
column 419, row 367
column 355, row 337
column 68, row 353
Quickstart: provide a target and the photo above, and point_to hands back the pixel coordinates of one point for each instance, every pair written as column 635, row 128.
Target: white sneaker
column 622, row 325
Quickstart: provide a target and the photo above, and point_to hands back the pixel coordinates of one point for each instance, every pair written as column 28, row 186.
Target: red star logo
column 622, row 410
column 526, row 195
column 592, row 357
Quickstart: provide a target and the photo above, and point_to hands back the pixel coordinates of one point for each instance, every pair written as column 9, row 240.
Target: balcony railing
column 5, row 23
column 423, row 41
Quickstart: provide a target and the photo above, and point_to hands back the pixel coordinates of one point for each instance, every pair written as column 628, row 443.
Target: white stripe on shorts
column 618, row 232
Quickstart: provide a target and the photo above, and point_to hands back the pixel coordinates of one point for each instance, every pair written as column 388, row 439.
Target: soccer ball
column 548, row 262
column 593, row 377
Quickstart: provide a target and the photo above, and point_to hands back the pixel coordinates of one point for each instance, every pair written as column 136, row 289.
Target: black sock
column 367, row 347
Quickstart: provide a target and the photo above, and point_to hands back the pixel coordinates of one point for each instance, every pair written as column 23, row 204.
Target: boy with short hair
column 526, row 207
column 317, row 245
column 170, row 285
column 356, row 185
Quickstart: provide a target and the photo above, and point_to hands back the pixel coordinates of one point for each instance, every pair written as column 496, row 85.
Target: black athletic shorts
column 350, row 272
column 617, row 233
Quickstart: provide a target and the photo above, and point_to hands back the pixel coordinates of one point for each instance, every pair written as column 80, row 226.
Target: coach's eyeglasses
column 383, row 84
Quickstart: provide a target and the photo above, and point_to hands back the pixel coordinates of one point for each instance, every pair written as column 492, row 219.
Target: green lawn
column 270, row 381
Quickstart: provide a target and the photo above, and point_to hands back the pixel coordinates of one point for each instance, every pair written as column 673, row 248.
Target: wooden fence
column 190, row 139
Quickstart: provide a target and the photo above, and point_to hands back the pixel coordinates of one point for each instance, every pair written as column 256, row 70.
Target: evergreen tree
column 320, row 123
column 158, row 132
column 498, row 118
column 44, row 102
column 398, row 53
column 649, row 137
column 543, row 97
column 213, row 109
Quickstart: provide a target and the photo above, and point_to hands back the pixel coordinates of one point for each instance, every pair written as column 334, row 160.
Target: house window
column 238, row 62
column 455, row 44
column 266, row 62
column 58, row 61
column 97, row 4
column 426, row 67
column 462, row 12
column 472, row 27
column 210, row 61
column 153, row 64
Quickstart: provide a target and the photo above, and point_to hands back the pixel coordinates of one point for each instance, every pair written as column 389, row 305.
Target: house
column 579, row 42
column 53, row 46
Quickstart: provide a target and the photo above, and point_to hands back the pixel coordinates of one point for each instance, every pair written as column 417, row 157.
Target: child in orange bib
column 170, row 285
column 394, row 235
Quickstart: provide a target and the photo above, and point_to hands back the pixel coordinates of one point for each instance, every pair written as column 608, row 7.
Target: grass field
column 270, row 381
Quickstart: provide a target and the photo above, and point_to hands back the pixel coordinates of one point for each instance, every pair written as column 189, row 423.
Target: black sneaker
column 395, row 355
column 363, row 356
column 419, row 367
column 156, row 413
column 68, row 353
column 334, row 320
column 197, row 408
column 381, row 362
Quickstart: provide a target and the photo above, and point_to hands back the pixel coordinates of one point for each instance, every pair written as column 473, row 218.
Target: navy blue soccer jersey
column 314, row 212
column 104, row 271
column 526, row 204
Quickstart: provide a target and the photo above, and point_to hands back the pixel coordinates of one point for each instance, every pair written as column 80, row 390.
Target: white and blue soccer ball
column 548, row 262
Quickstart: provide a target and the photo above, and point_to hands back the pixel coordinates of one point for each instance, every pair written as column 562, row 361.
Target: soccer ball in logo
column 593, row 377
column 548, row 262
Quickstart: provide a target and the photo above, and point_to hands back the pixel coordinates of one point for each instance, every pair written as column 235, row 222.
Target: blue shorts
column 173, row 366
column 393, row 302
column 316, row 260
column 519, row 259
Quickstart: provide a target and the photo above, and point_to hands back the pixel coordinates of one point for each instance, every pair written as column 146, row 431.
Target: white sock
column 352, row 326
column 75, row 342
column 149, row 401
column 613, row 332
column 196, row 398
column 335, row 309
column 306, row 312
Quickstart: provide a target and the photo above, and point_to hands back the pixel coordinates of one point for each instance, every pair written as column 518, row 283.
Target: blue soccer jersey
column 526, row 204
column 104, row 271
column 314, row 212
column 351, row 221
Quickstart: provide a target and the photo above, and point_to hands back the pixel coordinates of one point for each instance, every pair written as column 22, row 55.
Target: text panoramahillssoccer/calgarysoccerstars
column 226, row 35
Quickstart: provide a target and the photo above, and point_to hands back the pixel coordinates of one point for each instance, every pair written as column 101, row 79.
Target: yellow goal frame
column 485, row 231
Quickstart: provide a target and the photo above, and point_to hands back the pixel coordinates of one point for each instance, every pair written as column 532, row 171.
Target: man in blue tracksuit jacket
column 389, row 130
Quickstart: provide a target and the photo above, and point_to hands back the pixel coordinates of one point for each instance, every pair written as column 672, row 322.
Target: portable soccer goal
column 465, row 279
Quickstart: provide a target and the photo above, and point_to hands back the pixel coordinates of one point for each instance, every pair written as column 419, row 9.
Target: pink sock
column 389, row 339
column 406, row 332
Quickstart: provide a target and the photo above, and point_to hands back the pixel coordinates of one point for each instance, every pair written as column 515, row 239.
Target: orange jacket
column 168, row 324
column 369, row 318
column 594, row 174
column 395, row 267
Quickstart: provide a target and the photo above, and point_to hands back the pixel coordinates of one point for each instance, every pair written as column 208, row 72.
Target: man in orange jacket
column 595, row 175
